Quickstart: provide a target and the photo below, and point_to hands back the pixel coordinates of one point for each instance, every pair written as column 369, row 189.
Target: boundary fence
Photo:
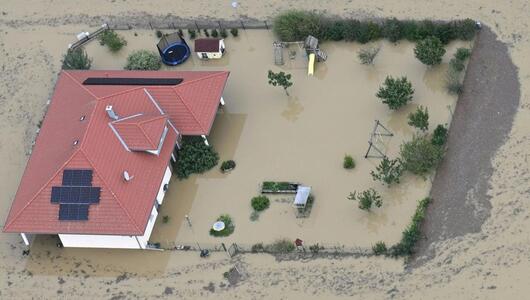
column 198, row 24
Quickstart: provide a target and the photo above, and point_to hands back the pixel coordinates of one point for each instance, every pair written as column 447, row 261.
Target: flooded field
column 300, row 138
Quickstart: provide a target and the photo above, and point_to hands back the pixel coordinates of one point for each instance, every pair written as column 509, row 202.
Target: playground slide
column 311, row 64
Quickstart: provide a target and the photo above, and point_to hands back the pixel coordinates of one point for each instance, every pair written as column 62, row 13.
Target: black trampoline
column 173, row 49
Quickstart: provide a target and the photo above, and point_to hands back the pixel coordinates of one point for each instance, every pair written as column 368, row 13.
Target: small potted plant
column 227, row 166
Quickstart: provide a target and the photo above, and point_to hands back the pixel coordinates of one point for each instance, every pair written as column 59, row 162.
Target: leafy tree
column 420, row 118
column 430, row 51
column 420, row 156
column 367, row 56
column 395, row 92
column 280, row 79
column 367, row 199
column 388, row 171
column 114, row 41
column 439, row 137
column 195, row 157
column 260, row 203
column 76, row 59
column 143, row 60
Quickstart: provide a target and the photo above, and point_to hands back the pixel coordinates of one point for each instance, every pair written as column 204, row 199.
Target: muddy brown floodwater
column 491, row 263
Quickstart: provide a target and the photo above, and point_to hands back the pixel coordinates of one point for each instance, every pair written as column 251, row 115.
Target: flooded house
column 100, row 165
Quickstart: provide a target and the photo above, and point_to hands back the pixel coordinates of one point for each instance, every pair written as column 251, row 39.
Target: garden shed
column 302, row 195
column 209, row 48
column 173, row 49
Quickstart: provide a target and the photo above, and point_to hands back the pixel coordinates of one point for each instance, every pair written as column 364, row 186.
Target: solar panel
column 75, row 194
column 73, row 212
column 131, row 81
column 77, row 177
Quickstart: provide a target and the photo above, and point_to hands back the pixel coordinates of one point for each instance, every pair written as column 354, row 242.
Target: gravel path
column 482, row 121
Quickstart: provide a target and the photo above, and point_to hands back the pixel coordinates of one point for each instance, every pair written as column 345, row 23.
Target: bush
column 76, row 59
column 112, row 40
column 278, row 186
column 379, row 248
column 367, row 56
column 228, row 165
column 348, row 163
column 281, row 246
column 143, row 60
column 419, row 118
column 453, row 82
column 223, row 33
column 439, row 137
column 367, row 199
column 462, row 54
column 194, row 157
column 206, row 33
column 430, row 51
column 420, row 156
column 229, row 227
column 296, row 25
column 465, row 29
column 456, row 64
column 388, row 171
column 192, row 33
column 392, row 30
column 334, row 30
column 165, row 219
column 260, row 203
column 412, row 233
column 368, row 32
column 215, row 33
column 315, row 248
column 257, row 248
column 234, row 32
column 159, row 34
column 395, row 92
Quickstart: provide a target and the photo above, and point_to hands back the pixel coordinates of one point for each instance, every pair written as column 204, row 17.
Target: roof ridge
column 188, row 108
column 120, row 92
column 213, row 74
column 42, row 188
column 146, row 135
column 110, row 190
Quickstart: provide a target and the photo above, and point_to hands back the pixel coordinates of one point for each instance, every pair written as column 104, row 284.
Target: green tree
column 280, row 79
column 143, row 60
column 367, row 199
column 420, row 156
column 430, row 51
column 439, row 135
column 388, row 171
column 112, row 40
column 76, row 59
column 419, row 118
column 395, row 92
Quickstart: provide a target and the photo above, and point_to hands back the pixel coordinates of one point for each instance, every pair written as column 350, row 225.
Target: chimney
column 127, row 177
column 111, row 112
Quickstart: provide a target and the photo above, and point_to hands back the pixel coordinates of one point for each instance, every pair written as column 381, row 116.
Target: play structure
column 85, row 37
column 308, row 50
column 173, row 49
column 376, row 143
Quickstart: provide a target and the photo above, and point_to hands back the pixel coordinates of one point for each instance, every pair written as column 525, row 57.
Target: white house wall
column 165, row 180
column 210, row 55
column 111, row 241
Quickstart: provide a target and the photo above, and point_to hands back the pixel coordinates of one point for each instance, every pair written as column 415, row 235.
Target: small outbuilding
column 209, row 48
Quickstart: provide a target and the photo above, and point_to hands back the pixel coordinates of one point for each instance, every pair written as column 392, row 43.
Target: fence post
column 219, row 22
column 242, row 25
column 151, row 26
column 198, row 29
column 266, row 26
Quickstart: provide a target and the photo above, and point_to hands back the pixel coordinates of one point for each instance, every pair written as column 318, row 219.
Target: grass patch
column 229, row 227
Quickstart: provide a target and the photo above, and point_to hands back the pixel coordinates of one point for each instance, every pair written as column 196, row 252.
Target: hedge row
column 297, row 25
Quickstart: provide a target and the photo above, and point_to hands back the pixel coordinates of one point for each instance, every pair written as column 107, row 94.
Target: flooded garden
column 300, row 138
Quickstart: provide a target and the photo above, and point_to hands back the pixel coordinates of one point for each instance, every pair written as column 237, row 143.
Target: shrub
column 392, row 30
column 367, row 56
column 453, row 83
column 229, row 227
column 368, row 31
column 206, row 33
column 260, row 203
column 334, row 30
column 439, row 136
column 143, row 60
column 420, row 156
column 465, row 29
column 419, row 118
column 280, row 79
column 165, row 219
column 348, row 163
column 379, row 248
column 112, row 40
column 192, row 33
column 257, row 248
column 412, row 233
column 409, row 30
column 367, row 199
column 76, row 59
column 395, row 92
column 315, row 248
column 215, row 33
column 223, row 33
column 444, row 32
column 159, row 34
column 228, row 165
column 195, row 157
column 456, row 64
column 234, row 32
column 462, row 54
column 278, row 186
column 281, row 246
column 296, row 25
column 351, row 30
column 388, row 171
column 430, row 51
column 424, row 29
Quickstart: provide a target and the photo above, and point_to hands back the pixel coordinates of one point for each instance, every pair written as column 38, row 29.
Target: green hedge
column 412, row 233
column 295, row 25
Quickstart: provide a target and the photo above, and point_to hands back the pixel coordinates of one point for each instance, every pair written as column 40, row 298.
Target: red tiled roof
column 141, row 132
column 124, row 207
